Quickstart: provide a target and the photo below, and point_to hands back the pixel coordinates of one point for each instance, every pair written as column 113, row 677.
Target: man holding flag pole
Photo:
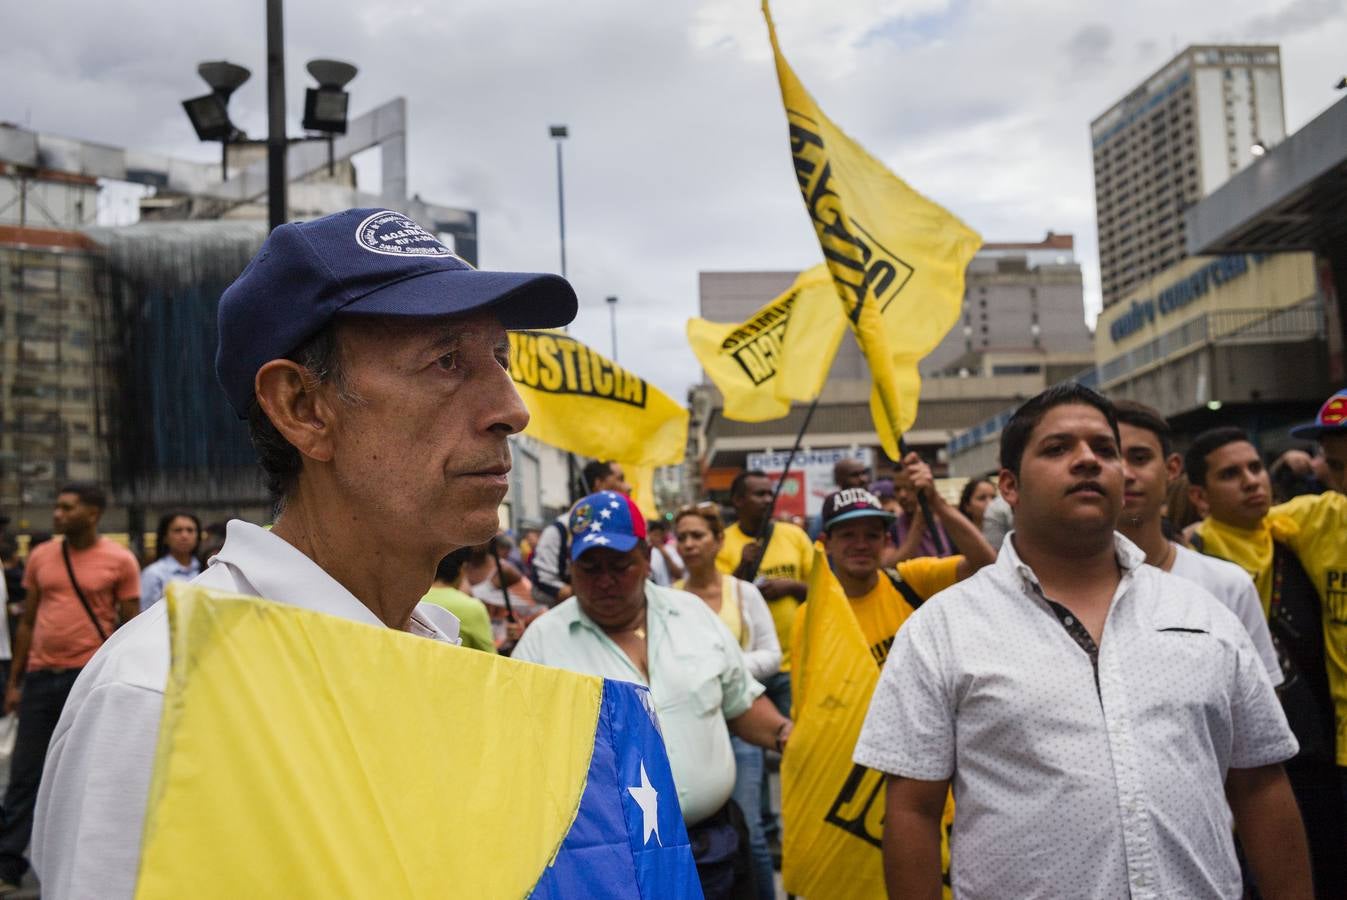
column 897, row 262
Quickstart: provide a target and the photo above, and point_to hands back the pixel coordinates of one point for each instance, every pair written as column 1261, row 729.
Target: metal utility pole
column 277, row 206
column 560, row 133
column 612, row 321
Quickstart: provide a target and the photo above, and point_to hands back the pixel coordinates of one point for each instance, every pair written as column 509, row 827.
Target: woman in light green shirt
column 474, row 624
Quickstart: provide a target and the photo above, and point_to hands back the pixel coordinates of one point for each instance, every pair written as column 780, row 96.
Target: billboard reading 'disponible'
column 810, row 478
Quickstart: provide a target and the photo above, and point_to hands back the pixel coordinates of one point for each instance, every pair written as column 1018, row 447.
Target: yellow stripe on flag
column 304, row 755
column 897, row 258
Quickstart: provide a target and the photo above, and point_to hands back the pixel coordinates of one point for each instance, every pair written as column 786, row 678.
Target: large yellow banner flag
column 583, row 402
column 832, row 809
column 897, row 258
column 424, row 770
column 781, row 353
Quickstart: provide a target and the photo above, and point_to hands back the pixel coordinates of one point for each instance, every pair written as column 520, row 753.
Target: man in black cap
column 372, row 366
column 855, row 526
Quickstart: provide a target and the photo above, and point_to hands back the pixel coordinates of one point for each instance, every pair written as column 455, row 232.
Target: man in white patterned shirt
column 1102, row 722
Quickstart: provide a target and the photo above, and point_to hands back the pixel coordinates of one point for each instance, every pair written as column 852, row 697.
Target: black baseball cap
column 852, row 503
column 362, row 262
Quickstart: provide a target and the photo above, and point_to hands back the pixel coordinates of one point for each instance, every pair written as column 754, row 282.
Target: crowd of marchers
column 1127, row 666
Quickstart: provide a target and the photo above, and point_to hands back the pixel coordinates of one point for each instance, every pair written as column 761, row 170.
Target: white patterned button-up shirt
column 1072, row 782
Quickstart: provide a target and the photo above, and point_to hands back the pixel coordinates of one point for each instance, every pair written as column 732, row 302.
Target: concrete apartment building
column 1178, row 136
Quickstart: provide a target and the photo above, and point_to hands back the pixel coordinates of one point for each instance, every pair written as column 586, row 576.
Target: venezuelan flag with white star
column 304, row 755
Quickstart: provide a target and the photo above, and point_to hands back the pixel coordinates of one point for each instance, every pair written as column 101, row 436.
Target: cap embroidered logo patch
column 393, row 234
column 1334, row 411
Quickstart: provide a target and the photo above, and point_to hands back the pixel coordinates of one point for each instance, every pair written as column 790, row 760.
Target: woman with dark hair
column 176, row 542
column 977, row 493
column 740, row 606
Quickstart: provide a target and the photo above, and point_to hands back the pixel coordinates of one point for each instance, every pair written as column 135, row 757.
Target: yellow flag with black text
column 583, row 402
column 779, row 354
column 897, row 258
column 832, row 809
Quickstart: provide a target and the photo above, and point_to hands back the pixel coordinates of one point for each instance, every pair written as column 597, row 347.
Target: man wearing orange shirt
column 79, row 589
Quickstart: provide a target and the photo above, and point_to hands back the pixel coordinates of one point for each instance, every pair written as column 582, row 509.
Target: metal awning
column 1294, row 198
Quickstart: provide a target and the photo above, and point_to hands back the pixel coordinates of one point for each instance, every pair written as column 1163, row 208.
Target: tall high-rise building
column 1178, row 136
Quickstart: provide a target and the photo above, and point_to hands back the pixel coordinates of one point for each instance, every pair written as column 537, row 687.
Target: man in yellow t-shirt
column 854, row 530
column 778, row 564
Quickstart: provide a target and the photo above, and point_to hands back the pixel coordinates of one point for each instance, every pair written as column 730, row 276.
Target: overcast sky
column 678, row 160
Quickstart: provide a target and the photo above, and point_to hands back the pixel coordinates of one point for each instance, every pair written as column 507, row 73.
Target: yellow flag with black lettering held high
column 583, row 402
column 897, row 258
column 781, row 353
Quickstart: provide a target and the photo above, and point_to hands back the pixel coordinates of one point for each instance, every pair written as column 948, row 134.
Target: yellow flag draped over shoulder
column 781, row 353
column 832, row 809
column 897, row 258
column 427, row 770
column 583, row 402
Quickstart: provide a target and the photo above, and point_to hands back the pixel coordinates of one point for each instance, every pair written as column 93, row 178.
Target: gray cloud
column 1088, row 47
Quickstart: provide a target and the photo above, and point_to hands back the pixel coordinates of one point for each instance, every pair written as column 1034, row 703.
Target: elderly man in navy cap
column 371, row 364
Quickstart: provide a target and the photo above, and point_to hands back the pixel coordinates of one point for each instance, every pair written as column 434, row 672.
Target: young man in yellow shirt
column 854, row 529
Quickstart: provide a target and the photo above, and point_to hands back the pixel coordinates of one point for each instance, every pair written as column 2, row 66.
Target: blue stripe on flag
column 628, row 839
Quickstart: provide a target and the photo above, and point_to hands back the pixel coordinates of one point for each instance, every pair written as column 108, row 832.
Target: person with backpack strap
column 80, row 588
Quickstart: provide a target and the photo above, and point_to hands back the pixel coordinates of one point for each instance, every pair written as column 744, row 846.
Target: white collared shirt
column 91, row 805
column 1068, row 782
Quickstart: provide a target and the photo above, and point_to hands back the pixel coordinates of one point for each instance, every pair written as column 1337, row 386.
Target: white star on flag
column 614, row 504
column 647, row 798
column 599, row 539
column 605, row 513
column 594, row 526
column 589, row 537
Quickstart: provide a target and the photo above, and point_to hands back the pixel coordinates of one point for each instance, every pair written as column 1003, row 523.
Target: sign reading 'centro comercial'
column 1179, row 294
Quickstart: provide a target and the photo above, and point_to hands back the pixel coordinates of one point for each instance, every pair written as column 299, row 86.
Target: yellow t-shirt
column 1321, row 546
column 790, row 554
column 882, row 611
column 729, row 611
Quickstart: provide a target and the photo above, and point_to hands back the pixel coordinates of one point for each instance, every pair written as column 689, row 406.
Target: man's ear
column 1174, row 467
column 297, row 406
column 1009, row 485
column 1197, row 495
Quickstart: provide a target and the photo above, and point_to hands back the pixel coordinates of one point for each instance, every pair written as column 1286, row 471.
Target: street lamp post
column 210, row 114
column 324, row 110
column 612, row 321
column 277, row 204
column 560, row 133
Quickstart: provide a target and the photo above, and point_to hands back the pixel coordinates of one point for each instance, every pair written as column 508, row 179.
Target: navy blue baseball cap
column 362, row 262
column 606, row 519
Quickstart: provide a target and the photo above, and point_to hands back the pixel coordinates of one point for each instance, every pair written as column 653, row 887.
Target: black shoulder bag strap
column 908, row 591
column 70, row 570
